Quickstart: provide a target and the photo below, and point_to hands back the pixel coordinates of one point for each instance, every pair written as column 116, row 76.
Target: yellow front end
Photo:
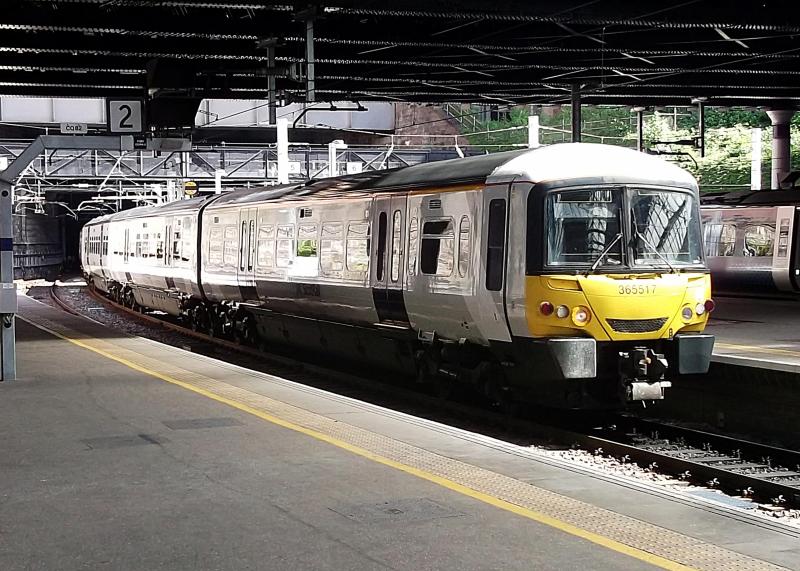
column 609, row 307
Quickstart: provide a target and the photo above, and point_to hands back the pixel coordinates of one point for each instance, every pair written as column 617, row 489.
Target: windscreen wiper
column 640, row 236
column 603, row 254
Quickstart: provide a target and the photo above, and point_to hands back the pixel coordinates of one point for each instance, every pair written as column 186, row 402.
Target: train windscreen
column 622, row 228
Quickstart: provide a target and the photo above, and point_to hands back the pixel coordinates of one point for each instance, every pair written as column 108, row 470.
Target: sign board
column 125, row 115
column 74, row 128
column 354, row 167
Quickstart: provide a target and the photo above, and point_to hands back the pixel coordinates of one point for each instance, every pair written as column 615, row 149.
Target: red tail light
column 546, row 308
column 710, row 305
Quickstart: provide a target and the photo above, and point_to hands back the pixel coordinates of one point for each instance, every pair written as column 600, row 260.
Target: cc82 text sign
column 125, row 115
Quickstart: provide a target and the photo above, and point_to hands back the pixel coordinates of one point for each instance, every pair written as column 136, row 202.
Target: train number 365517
column 637, row 289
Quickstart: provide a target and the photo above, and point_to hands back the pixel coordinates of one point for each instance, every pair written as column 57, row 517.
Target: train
column 570, row 276
column 751, row 242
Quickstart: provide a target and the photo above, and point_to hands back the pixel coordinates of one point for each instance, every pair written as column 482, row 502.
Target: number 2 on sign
column 636, row 289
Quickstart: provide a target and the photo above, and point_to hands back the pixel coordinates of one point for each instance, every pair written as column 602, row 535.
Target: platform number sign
column 125, row 115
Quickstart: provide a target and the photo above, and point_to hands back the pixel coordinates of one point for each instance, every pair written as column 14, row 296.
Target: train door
column 247, row 253
column 386, row 275
column 494, row 229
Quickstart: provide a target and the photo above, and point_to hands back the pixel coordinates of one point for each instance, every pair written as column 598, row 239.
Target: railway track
column 766, row 474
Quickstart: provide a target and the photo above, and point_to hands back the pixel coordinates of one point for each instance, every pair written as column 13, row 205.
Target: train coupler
column 642, row 372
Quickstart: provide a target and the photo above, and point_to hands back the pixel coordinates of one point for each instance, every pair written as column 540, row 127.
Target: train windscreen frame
column 617, row 229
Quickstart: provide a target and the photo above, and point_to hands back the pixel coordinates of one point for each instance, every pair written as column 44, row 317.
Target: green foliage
column 727, row 160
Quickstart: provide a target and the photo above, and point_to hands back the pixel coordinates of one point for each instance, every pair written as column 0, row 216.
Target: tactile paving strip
column 669, row 545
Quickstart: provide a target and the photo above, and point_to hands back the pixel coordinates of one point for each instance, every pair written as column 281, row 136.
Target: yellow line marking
column 773, row 350
column 598, row 539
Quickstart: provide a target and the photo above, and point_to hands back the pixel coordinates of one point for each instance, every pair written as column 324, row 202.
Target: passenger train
column 751, row 242
column 571, row 275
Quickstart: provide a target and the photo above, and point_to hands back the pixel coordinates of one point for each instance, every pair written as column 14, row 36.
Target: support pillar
column 8, row 291
column 755, row 159
column 576, row 113
column 533, row 131
column 271, row 98
column 639, row 128
column 781, row 149
column 283, row 150
column 310, row 74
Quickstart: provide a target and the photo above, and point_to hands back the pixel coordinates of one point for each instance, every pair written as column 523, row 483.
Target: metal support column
column 8, row 291
column 8, row 177
column 639, row 128
column 781, row 144
column 310, row 76
column 576, row 113
column 271, row 95
column 701, row 125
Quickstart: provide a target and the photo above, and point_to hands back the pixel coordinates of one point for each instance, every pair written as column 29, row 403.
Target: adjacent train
column 751, row 242
column 571, row 275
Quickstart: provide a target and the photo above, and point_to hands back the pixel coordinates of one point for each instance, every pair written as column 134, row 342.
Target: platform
column 122, row 453
column 757, row 333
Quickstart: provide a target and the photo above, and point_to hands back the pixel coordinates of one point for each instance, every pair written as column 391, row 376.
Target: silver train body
column 421, row 269
column 752, row 242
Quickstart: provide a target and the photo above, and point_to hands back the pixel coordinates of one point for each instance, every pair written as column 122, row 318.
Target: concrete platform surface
column 121, row 453
column 757, row 333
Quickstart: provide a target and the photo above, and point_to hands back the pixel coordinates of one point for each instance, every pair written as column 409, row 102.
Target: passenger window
column 495, row 244
column 381, row 245
column 188, row 243
column 464, row 249
column 265, row 253
column 438, row 245
column 719, row 239
column 394, row 275
column 230, row 248
column 214, row 246
column 358, row 246
column 284, row 250
column 307, row 241
column 413, row 243
column 332, row 248
column 758, row 240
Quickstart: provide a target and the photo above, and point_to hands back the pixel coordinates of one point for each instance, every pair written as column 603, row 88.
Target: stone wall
column 38, row 246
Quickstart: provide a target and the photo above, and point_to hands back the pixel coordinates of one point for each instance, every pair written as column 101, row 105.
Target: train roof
column 566, row 163
column 770, row 197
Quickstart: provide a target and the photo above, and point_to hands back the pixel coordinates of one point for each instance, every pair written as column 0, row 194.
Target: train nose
column 633, row 308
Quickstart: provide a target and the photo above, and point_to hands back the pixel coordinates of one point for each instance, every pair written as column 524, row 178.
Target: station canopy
column 649, row 52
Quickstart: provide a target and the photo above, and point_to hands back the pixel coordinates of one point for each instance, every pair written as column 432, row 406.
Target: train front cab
column 614, row 296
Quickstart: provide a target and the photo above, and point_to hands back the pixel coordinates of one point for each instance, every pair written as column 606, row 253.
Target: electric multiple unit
column 571, row 275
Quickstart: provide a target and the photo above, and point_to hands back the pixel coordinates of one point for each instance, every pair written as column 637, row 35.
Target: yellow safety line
column 609, row 543
column 773, row 350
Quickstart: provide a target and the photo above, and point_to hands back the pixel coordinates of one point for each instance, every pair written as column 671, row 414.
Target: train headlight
column 546, row 308
column 710, row 305
column 687, row 314
column 700, row 308
column 581, row 315
column 562, row 311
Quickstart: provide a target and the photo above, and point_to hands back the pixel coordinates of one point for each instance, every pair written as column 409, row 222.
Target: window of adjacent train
column 413, row 243
column 358, row 246
column 667, row 227
column 719, row 239
column 582, row 224
column 463, row 246
column 438, row 246
column 332, row 248
column 284, row 250
column 265, row 251
column 758, row 240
